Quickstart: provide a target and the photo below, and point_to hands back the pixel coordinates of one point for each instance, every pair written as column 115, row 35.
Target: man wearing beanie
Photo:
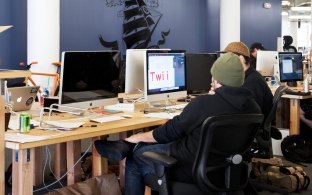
column 254, row 81
column 179, row 137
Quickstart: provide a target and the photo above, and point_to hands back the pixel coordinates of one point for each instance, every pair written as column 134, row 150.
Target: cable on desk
column 59, row 180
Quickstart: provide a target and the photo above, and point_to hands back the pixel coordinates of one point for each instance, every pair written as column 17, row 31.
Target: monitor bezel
column 280, row 67
column 170, row 94
column 88, row 103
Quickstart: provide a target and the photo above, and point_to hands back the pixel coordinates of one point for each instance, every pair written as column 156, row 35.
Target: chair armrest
column 160, row 158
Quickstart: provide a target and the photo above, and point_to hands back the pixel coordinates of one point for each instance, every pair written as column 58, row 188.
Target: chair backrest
column 221, row 160
column 264, row 136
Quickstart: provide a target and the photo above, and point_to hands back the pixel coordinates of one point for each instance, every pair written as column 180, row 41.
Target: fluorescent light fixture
column 300, row 8
column 285, row 3
column 284, row 13
column 300, row 17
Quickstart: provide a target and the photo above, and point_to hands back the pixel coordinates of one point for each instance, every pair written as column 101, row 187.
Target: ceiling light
column 285, row 3
column 300, row 17
column 284, row 13
column 300, row 8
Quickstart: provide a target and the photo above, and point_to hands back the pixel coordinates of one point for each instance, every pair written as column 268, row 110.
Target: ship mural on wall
column 139, row 24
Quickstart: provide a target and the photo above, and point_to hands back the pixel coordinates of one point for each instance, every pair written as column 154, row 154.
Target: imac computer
column 89, row 78
column 134, row 76
column 198, row 76
column 165, row 75
column 290, row 67
column 266, row 61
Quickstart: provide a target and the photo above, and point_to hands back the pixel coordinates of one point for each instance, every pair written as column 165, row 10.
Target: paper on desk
column 164, row 115
column 23, row 138
column 66, row 124
column 14, row 123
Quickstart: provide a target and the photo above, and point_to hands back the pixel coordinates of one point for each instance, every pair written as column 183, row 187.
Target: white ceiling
column 297, row 9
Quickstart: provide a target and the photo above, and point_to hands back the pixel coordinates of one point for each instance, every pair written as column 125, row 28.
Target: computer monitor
column 290, row 67
column 198, row 76
column 134, row 76
column 165, row 75
column 89, row 78
column 266, row 60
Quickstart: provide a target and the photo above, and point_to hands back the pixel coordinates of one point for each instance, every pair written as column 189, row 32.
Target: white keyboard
column 104, row 119
column 121, row 107
column 164, row 115
column 177, row 106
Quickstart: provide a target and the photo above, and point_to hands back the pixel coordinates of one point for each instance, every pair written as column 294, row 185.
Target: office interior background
column 193, row 25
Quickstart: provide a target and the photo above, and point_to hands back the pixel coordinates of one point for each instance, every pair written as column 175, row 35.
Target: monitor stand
column 292, row 83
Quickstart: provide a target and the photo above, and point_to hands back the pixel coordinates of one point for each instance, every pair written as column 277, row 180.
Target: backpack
column 296, row 148
column 273, row 172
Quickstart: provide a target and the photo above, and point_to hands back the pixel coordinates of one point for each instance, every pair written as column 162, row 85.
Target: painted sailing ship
column 139, row 24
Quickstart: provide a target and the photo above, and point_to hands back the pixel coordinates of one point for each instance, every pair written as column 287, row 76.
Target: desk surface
column 55, row 137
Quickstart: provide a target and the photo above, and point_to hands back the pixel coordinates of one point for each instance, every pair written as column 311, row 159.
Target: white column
column 43, row 37
column 229, row 22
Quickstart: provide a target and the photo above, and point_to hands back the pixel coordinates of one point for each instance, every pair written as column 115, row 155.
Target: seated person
column 179, row 137
column 254, row 48
column 254, row 81
column 306, row 118
column 288, row 40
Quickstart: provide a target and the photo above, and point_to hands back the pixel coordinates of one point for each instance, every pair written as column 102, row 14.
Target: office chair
column 262, row 147
column 220, row 166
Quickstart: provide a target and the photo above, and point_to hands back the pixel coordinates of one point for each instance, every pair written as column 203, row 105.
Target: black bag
column 296, row 148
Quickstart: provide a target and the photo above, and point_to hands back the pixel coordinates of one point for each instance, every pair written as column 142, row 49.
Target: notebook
column 23, row 97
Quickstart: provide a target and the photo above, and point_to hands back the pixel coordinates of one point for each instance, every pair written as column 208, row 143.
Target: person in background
column 254, row 48
column 254, row 81
column 179, row 137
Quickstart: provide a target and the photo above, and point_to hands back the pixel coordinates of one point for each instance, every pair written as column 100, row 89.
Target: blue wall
column 194, row 26
column 13, row 42
column 83, row 21
column 259, row 24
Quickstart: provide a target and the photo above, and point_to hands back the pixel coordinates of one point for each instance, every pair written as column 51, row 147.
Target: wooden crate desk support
column 5, row 74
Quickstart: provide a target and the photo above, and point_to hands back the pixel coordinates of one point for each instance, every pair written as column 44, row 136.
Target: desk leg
column 38, row 163
column 99, row 164
column 294, row 128
column 59, row 160
column 73, row 154
column 22, row 170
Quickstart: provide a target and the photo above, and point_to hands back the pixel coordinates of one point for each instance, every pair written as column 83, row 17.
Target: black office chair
column 221, row 161
column 262, row 147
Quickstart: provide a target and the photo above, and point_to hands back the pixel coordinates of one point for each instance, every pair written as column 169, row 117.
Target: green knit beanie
column 228, row 70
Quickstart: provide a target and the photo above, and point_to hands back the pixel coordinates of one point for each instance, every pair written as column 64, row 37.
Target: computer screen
column 89, row 78
column 134, row 76
column 290, row 67
column 165, row 75
column 265, row 62
column 198, row 76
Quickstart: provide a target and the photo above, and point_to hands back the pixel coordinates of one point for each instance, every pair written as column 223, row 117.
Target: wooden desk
column 23, row 153
column 5, row 74
column 294, row 114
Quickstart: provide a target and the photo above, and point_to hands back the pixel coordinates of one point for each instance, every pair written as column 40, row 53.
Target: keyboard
column 177, row 106
column 104, row 119
column 295, row 92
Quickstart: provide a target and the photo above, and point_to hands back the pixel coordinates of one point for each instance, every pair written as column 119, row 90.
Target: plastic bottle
column 306, row 82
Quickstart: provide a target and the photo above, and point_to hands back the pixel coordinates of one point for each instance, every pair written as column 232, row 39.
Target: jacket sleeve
column 180, row 125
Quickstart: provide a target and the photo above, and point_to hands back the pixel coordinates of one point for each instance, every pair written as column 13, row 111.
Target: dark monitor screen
column 89, row 78
column 198, row 76
column 290, row 66
column 165, row 74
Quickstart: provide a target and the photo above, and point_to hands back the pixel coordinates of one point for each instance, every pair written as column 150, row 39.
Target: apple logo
column 19, row 99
